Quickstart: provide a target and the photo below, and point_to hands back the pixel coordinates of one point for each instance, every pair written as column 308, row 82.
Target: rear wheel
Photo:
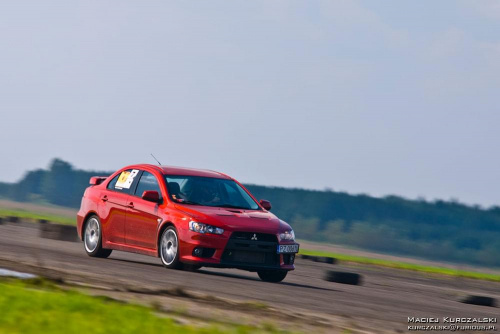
column 92, row 239
column 273, row 276
column 169, row 248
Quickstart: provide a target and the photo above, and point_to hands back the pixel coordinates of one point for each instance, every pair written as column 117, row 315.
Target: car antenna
column 155, row 159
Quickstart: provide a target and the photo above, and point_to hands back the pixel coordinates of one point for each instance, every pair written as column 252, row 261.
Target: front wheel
column 169, row 248
column 273, row 276
column 92, row 239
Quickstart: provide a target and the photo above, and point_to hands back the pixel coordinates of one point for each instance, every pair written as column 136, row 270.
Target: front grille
column 248, row 248
column 248, row 257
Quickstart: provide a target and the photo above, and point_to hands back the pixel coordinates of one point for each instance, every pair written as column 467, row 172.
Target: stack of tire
column 57, row 231
column 341, row 277
column 480, row 300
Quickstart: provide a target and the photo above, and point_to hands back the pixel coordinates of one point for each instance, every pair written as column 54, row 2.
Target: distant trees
column 439, row 230
column 28, row 188
column 59, row 185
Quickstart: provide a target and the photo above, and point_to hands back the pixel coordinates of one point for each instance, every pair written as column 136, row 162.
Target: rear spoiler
column 95, row 180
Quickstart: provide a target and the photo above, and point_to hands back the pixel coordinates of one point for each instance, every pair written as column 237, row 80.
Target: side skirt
column 131, row 249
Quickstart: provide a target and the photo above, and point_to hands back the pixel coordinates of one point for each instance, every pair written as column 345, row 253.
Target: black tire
column 92, row 238
column 169, row 248
column 58, row 232
column 273, row 276
column 325, row 259
column 480, row 300
column 343, row 277
column 13, row 219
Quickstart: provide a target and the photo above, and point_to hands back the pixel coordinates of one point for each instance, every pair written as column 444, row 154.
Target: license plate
column 288, row 249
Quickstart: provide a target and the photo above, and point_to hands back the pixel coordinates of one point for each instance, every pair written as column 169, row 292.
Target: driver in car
column 206, row 194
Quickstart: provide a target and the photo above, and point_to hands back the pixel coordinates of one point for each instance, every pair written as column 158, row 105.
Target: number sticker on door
column 126, row 179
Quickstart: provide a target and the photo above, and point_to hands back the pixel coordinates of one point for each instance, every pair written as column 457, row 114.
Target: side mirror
column 265, row 204
column 151, row 196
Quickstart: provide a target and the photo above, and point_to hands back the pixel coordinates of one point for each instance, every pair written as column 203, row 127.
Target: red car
column 187, row 217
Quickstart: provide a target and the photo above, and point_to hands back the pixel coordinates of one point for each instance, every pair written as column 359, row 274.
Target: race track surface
column 387, row 296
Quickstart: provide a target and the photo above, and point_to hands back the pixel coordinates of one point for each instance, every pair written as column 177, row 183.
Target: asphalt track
column 387, row 296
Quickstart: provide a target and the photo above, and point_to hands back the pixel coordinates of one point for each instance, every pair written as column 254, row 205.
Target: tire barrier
column 343, row 277
column 320, row 259
column 13, row 219
column 324, row 259
column 480, row 300
column 58, row 232
column 1, row 220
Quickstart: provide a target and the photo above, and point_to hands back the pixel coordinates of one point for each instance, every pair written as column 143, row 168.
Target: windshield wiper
column 233, row 206
column 189, row 202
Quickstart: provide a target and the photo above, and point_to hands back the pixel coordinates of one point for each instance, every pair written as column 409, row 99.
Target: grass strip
column 44, row 308
column 25, row 214
column 404, row 265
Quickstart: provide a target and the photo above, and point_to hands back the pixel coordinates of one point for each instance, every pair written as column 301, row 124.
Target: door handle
column 104, row 198
column 130, row 205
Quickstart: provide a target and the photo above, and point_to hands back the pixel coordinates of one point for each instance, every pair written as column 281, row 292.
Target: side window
column 147, row 182
column 112, row 183
column 123, row 181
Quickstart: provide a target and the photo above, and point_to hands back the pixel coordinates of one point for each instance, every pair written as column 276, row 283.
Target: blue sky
column 377, row 97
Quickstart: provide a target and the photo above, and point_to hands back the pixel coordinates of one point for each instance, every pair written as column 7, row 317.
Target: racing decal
column 126, row 179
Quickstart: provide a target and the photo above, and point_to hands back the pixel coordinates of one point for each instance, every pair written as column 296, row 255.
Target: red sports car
column 187, row 217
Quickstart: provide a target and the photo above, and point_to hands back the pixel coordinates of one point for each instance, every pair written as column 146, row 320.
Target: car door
column 142, row 216
column 113, row 205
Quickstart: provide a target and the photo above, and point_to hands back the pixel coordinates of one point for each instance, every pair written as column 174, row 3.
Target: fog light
column 198, row 251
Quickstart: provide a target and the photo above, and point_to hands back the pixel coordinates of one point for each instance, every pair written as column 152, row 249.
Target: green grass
column 24, row 214
column 404, row 265
column 44, row 308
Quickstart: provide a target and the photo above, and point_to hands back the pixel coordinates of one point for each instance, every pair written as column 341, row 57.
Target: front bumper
column 236, row 250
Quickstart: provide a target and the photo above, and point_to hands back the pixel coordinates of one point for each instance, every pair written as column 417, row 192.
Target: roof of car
column 174, row 170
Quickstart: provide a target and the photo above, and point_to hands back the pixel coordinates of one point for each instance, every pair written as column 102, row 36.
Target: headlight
column 204, row 228
column 288, row 236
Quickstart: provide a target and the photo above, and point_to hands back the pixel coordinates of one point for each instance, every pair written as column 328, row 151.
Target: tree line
column 436, row 230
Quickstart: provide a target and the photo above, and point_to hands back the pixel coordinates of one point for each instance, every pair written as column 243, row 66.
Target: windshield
column 208, row 191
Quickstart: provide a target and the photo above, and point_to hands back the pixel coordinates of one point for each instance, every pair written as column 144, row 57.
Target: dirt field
column 382, row 304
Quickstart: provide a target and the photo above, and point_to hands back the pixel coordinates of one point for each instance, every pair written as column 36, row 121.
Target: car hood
column 235, row 219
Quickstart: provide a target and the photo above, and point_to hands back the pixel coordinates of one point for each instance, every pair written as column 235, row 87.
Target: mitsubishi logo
column 254, row 237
